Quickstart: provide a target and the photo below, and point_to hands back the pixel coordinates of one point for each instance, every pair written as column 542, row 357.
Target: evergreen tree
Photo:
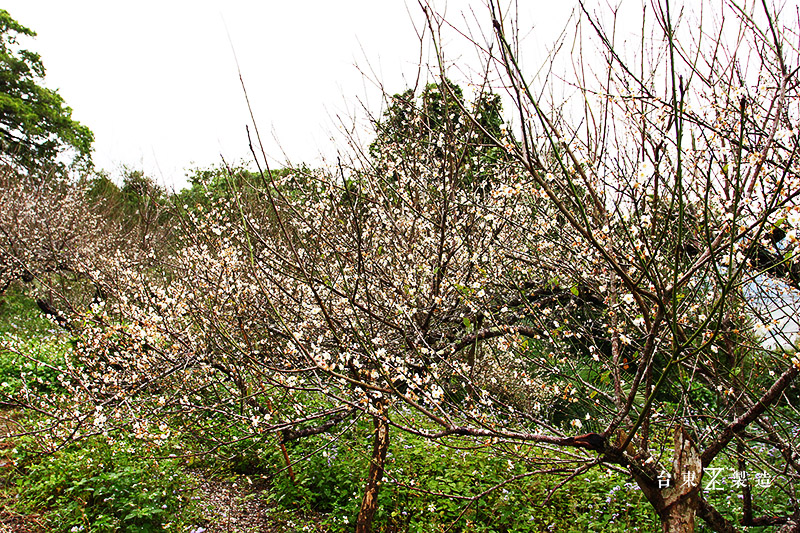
column 35, row 124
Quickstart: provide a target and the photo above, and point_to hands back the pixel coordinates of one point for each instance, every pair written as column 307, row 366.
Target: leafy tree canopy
column 35, row 124
column 441, row 120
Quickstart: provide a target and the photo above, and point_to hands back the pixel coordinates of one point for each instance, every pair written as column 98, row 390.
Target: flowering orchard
column 576, row 277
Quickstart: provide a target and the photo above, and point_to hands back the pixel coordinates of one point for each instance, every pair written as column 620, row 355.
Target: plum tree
column 589, row 303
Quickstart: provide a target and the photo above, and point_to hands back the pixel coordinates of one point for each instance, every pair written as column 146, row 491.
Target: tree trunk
column 380, row 445
column 676, row 500
column 679, row 518
column 682, row 500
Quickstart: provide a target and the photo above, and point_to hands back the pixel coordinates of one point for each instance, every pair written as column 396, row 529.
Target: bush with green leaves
column 99, row 487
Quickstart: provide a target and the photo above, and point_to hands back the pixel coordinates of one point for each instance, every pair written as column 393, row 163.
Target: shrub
column 330, row 481
column 98, row 487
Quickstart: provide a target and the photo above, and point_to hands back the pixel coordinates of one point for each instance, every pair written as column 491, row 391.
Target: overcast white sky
column 156, row 81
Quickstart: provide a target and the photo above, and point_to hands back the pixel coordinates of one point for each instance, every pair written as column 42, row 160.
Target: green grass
column 32, row 348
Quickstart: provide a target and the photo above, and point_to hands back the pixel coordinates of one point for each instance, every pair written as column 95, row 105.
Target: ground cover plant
column 35, row 367
column 538, row 296
column 102, row 486
column 425, row 481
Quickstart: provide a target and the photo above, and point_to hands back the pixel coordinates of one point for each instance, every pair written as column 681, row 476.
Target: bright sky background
column 156, row 81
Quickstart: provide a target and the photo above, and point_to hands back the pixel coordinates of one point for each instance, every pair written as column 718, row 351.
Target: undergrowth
column 97, row 487
column 428, row 486
column 426, row 483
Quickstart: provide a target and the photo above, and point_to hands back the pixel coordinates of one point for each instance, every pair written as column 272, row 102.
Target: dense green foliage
column 35, row 124
column 438, row 120
column 38, row 359
column 420, row 474
column 139, row 202
column 100, row 487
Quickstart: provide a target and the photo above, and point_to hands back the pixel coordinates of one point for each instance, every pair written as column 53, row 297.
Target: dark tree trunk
column 380, row 445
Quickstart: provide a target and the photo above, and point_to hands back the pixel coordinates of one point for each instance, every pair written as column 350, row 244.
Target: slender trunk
column 380, row 445
column 288, row 462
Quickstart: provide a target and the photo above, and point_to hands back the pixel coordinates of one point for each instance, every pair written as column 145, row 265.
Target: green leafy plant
column 37, row 358
column 100, row 487
column 420, row 473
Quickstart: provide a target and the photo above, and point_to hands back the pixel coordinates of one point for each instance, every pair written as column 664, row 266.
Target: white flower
column 783, row 135
column 793, row 218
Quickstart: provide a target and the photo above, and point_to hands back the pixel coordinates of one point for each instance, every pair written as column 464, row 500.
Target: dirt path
column 238, row 506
